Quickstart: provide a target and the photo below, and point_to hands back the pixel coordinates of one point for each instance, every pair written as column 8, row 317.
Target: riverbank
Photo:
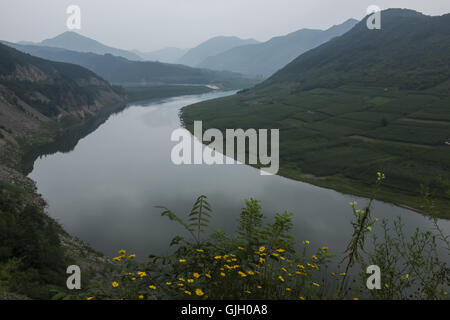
column 33, row 262
column 319, row 144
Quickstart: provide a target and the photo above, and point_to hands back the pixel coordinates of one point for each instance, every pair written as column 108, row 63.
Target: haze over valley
column 224, row 150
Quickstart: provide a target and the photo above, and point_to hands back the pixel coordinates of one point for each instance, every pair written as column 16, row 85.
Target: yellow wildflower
column 188, row 292
column 141, row 297
column 242, row 274
column 90, row 298
column 115, row 284
column 199, row 292
column 154, row 287
column 281, row 278
column 182, row 260
column 262, row 249
column 316, row 284
column 200, row 250
column 141, row 274
column 196, row 275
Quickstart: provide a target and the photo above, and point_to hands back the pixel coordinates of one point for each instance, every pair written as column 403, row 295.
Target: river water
column 105, row 190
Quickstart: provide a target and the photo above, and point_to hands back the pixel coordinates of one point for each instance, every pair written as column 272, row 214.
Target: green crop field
column 341, row 137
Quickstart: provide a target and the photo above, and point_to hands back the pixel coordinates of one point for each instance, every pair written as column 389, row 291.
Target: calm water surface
column 105, row 190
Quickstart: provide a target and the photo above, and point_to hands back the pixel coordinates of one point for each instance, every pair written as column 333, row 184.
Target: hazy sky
column 153, row 24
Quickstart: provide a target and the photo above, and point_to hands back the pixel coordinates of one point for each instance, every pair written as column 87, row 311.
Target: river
column 105, row 190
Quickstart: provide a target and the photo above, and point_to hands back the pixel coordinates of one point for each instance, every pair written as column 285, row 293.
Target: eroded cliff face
column 39, row 97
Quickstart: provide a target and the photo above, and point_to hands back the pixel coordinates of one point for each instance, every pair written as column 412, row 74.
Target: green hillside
column 368, row 101
column 411, row 51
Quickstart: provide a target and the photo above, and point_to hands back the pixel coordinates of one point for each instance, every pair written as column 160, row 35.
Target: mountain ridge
column 71, row 40
column 265, row 58
column 332, row 63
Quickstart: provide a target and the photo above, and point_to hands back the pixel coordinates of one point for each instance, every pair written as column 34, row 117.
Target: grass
column 337, row 138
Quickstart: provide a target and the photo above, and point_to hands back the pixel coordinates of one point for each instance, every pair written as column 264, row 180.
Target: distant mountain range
column 264, row 59
column 212, row 47
column 168, row 55
column 119, row 70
